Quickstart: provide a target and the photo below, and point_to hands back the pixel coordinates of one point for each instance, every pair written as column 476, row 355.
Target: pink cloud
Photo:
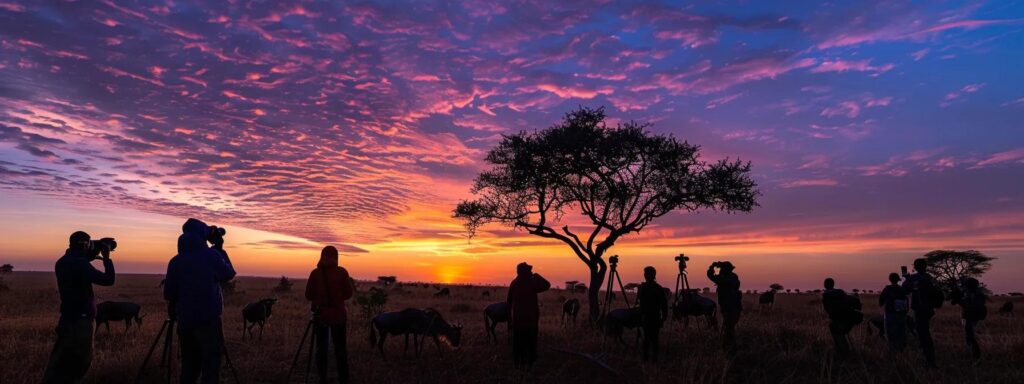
column 849, row 109
column 847, row 66
column 1014, row 155
column 824, row 182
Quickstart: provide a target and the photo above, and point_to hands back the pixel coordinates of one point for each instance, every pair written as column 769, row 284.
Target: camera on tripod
column 682, row 259
column 613, row 260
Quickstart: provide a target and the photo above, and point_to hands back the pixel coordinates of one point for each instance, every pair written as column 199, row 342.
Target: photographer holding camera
column 72, row 353
column 328, row 287
column 194, row 297
column 730, row 300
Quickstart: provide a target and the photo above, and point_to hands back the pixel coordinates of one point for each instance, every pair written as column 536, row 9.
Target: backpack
column 932, row 294
column 853, row 312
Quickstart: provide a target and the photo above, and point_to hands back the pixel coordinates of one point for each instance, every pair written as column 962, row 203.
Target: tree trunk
column 594, row 291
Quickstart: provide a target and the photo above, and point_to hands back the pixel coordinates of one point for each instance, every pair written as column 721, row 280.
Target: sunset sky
column 878, row 130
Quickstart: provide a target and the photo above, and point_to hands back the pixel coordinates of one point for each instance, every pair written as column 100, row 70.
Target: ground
column 787, row 345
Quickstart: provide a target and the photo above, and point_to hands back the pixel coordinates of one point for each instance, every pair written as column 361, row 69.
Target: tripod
column 309, row 355
column 167, row 335
column 613, row 276
column 681, row 280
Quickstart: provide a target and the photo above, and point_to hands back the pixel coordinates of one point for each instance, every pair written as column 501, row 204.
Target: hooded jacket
column 194, row 276
column 522, row 298
column 327, row 289
column 730, row 299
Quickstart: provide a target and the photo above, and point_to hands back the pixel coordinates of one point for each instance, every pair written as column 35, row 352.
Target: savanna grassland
column 787, row 345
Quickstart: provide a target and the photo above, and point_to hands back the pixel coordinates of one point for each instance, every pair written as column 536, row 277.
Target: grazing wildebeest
column 415, row 322
column 108, row 311
column 1006, row 309
column 444, row 292
column 570, row 308
column 485, row 293
column 256, row 314
column 878, row 323
column 691, row 303
column 767, row 299
column 495, row 313
column 617, row 320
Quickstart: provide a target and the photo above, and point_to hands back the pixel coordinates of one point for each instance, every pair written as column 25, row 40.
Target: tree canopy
column 619, row 178
column 950, row 268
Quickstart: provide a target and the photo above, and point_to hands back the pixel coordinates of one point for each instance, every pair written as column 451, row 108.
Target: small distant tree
column 372, row 303
column 6, row 268
column 950, row 268
column 283, row 285
column 620, row 179
column 856, row 290
column 570, row 285
column 797, row 290
column 776, row 287
column 387, row 280
column 631, row 286
column 788, row 290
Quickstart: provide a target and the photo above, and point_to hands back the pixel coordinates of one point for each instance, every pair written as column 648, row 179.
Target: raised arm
column 540, row 283
column 105, row 278
column 221, row 263
column 347, row 290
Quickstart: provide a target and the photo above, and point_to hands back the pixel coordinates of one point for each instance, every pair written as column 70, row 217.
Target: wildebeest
column 256, row 314
column 500, row 312
column 570, row 308
column 1006, row 309
column 767, row 299
column 485, row 293
column 415, row 322
column 691, row 303
column 617, row 320
column 108, row 311
column 444, row 292
column 878, row 323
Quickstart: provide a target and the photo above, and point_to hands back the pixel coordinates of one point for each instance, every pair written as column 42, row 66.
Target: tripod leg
column 168, row 355
column 227, row 358
column 309, row 360
column 622, row 288
column 152, row 348
column 295, row 360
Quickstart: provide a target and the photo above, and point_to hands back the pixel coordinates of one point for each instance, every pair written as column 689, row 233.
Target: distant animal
column 416, row 322
column 257, row 314
column 691, row 303
column 1006, row 309
column 570, row 308
column 108, row 311
column 485, row 293
column 878, row 324
column 618, row 320
column 767, row 300
column 500, row 312
column 444, row 292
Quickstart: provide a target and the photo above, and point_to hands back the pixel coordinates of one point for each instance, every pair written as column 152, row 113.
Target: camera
column 682, row 259
column 613, row 260
column 215, row 232
column 95, row 247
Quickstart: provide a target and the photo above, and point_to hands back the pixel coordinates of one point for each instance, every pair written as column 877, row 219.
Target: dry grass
column 790, row 345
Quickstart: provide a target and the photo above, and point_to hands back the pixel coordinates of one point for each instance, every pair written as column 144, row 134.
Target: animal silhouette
column 416, row 322
column 618, row 320
column 570, row 308
column 500, row 312
column 767, row 300
column 444, row 292
column 256, row 314
column 1006, row 309
column 108, row 311
column 691, row 303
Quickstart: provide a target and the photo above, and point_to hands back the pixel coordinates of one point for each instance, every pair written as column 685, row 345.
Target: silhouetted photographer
column 730, row 300
column 972, row 301
column 328, row 287
column 925, row 297
column 844, row 312
column 653, row 304
column 193, row 292
column 522, row 298
column 895, row 305
column 72, row 353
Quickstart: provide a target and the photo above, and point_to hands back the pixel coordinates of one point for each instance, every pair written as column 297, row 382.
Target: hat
column 524, row 268
column 78, row 238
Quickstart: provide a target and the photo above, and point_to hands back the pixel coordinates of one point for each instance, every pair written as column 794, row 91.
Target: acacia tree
column 618, row 178
column 952, row 267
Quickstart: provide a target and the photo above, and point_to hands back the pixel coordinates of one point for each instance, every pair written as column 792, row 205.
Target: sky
column 877, row 130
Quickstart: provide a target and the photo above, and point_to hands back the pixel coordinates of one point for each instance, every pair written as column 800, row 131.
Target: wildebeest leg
column 437, row 342
column 127, row 323
column 405, row 351
column 108, row 326
column 380, row 344
column 261, row 329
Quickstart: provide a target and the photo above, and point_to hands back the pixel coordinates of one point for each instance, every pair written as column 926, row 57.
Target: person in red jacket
column 522, row 298
column 327, row 289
